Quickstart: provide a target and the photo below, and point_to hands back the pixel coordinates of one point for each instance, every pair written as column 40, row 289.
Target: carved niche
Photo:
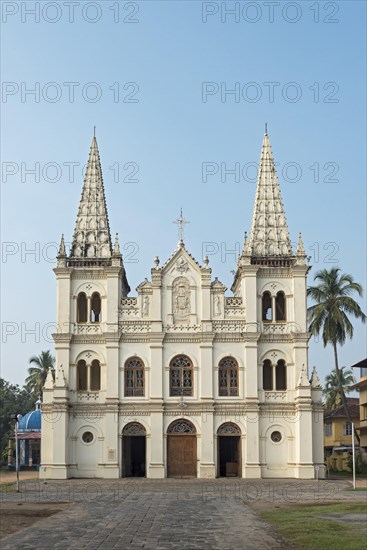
column 181, row 299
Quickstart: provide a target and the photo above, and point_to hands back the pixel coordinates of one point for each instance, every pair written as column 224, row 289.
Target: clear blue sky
column 163, row 123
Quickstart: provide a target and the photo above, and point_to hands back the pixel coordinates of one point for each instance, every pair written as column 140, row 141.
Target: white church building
column 181, row 380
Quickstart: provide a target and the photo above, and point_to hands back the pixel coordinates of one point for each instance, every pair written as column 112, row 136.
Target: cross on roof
column 181, row 222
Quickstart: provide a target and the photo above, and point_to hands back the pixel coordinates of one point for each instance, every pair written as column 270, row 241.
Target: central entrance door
column 229, row 450
column 181, row 449
column 133, row 450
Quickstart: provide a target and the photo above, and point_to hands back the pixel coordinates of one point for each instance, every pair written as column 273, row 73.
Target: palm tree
column 329, row 315
column 332, row 391
column 37, row 374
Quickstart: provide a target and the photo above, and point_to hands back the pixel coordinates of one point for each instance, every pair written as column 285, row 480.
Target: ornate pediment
column 180, row 262
column 218, row 286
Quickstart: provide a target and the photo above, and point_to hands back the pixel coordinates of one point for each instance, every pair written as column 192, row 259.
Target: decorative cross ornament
column 181, row 222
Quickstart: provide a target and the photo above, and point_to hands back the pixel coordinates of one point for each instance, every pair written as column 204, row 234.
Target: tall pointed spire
column 269, row 231
column 92, row 238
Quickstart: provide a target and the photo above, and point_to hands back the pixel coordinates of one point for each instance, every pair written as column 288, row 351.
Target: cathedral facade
column 182, row 380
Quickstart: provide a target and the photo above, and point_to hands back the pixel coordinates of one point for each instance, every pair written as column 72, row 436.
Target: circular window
column 276, row 437
column 87, row 437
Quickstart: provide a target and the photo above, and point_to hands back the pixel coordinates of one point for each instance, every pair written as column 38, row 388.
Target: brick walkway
column 162, row 514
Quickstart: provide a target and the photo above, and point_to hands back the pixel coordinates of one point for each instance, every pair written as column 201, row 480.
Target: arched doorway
column 133, row 450
column 181, row 449
column 229, row 450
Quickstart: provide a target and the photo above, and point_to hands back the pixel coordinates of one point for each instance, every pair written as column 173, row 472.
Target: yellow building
column 361, row 386
column 338, row 434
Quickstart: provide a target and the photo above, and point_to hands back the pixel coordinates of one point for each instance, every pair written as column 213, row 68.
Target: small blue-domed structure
column 29, row 439
column 30, row 422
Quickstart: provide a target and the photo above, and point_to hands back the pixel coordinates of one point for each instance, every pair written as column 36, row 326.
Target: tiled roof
column 339, row 412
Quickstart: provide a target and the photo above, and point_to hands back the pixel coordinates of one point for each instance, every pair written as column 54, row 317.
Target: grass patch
column 303, row 527
column 7, row 487
column 344, row 474
column 357, row 489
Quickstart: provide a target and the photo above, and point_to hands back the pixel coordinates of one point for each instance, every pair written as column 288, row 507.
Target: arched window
column 82, row 308
column 281, row 375
column 95, row 312
column 181, row 426
column 95, row 375
column 267, row 312
column 267, row 375
column 228, row 377
column 280, row 307
column 134, row 377
column 82, row 378
column 181, row 376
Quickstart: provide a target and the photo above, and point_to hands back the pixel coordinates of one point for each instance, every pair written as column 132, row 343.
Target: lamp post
column 16, row 417
column 353, row 458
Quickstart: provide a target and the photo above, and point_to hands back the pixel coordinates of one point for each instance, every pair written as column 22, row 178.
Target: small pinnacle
column 62, row 251
column 116, row 246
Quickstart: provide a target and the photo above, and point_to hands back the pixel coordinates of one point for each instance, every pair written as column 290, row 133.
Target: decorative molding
column 129, row 302
column 88, row 328
column 276, row 395
column 235, row 301
column 182, row 328
column 135, row 326
column 229, row 326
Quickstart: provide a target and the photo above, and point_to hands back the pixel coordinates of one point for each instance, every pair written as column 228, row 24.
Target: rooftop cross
column 181, row 222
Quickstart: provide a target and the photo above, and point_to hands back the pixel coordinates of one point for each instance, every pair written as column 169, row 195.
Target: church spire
column 92, row 238
column 269, row 232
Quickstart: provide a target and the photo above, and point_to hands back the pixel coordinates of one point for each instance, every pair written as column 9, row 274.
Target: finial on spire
column 62, row 251
column 116, row 246
column 49, row 382
column 303, row 378
column 94, row 131
column 181, row 222
column 315, row 380
column 266, row 128
column 246, row 251
column 61, row 256
column 300, row 247
column 301, row 254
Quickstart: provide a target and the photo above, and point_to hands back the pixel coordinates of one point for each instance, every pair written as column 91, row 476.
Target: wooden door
column 181, row 454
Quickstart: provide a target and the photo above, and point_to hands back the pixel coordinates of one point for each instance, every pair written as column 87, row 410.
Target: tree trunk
column 341, row 389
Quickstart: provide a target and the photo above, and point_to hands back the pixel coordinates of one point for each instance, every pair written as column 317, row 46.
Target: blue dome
column 30, row 422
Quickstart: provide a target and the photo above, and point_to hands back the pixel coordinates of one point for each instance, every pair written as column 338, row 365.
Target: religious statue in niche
column 217, row 308
column 146, row 306
column 181, row 295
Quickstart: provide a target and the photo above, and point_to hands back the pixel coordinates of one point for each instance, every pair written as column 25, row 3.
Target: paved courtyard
column 162, row 514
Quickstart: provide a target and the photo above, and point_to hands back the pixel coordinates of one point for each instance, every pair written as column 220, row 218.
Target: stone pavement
column 162, row 514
